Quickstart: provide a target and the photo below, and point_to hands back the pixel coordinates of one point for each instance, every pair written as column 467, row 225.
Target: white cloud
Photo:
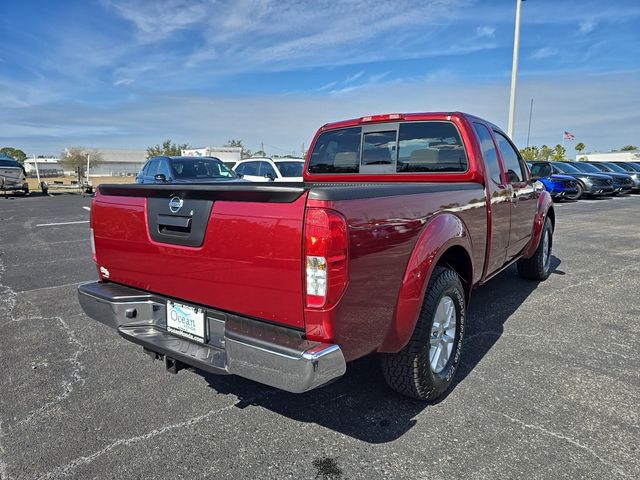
column 595, row 106
column 586, row 26
column 544, row 52
column 156, row 20
column 486, row 31
column 123, row 81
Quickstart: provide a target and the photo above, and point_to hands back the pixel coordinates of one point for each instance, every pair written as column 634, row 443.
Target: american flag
column 569, row 136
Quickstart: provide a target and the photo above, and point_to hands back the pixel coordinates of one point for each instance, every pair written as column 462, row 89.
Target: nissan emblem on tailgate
column 175, row 204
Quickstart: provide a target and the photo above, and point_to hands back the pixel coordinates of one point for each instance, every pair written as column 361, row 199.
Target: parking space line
column 60, row 223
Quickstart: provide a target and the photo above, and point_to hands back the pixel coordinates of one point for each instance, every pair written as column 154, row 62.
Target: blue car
column 558, row 186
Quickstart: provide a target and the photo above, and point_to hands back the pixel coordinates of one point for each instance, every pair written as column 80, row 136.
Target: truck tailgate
column 236, row 248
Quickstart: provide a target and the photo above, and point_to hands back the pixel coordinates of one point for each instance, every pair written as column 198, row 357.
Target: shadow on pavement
column 360, row 404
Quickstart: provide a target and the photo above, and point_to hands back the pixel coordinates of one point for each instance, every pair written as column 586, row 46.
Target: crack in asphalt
column 67, row 385
column 8, row 301
column 65, row 470
column 560, row 436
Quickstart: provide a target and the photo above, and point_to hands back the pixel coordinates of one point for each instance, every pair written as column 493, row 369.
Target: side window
column 430, row 147
column 163, row 168
column 336, row 151
column 511, row 159
column 489, row 152
column 152, row 168
column 249, row 168
column 541, row 170
column 267, row 169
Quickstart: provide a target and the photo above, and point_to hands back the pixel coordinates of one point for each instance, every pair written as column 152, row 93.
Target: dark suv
column 622, row 182
column 185, row 170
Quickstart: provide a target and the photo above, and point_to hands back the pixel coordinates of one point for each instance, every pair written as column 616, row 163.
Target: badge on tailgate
column 185, row 321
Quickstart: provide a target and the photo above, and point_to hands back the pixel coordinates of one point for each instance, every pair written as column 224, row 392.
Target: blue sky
column 127, row 73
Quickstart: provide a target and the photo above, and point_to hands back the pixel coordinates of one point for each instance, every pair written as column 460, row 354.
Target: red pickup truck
column 399, row 217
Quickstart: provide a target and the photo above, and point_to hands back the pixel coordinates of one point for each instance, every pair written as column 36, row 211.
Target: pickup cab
column 377, row 251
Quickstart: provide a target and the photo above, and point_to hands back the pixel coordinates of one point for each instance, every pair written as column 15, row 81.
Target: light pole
column 514, row 71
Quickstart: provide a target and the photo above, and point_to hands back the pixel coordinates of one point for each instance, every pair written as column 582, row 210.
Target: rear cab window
column 430, row 146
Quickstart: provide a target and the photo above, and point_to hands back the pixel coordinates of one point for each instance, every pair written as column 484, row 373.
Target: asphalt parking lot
column 549, row 387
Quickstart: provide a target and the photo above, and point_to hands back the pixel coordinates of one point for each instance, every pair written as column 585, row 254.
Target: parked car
column 589, row 184
column 12, row 176
column 621, row 182
column 610, row 167
column 399, row 218
column 559, row 186
column 265, row 169
column 185, row 170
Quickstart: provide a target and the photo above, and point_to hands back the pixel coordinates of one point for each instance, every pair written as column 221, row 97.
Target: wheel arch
column 443, row 242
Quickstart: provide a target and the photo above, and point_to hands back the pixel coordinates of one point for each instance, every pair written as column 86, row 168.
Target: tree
column 76, row 159
column 244, row 153
column 580, row 147
column 14, row 153
column 530, row 153
column 628, row 148
column 168, row 148
column 544, row 153
column 558, row 153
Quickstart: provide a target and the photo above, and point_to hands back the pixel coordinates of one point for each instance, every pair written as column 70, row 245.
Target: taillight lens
column 326, row 257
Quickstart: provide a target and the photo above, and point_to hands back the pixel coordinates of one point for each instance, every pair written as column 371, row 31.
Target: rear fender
column 545, row 207
column 441, row 233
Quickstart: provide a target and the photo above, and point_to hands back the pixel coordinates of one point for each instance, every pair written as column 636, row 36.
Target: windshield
column 615, row 168
column 290, row 169
column 566, row 168
column 627, row 167
column 201, row 169
column 587, row 167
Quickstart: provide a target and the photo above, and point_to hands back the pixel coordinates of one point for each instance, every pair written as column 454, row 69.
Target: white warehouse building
column 627, row 156
column 117, row 163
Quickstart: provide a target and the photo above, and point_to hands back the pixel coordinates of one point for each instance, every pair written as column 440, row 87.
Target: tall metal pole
column 529, row 128
column 514, row 71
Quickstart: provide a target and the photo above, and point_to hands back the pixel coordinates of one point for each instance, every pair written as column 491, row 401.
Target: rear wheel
column 425, row 367
column 538, row 267
column 578, row 194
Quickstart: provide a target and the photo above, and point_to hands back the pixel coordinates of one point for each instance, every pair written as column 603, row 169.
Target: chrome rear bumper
column 269, row 354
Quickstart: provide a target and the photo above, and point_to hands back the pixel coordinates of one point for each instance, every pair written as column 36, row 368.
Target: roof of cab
column 395, row 117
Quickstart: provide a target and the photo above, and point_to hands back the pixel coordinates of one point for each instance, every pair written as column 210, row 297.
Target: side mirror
column 269, row 176
column 160, row 178
column 240, row 175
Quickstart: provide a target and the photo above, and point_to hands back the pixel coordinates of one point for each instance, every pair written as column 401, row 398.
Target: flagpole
column 514, row 72
column 563, row 139
column 529, row 129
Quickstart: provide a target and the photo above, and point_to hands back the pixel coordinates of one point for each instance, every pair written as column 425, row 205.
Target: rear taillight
column 326, row 252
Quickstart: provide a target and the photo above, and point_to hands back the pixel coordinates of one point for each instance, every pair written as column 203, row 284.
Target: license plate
column 185, row 321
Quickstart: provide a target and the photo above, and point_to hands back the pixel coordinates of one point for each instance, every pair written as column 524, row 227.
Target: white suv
column 264, row 169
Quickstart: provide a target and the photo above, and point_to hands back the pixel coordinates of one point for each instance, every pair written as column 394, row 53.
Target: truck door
column 524, row 200
column 500, row 193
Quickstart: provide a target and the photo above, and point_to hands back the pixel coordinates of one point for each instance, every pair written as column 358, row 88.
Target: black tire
column 538, row 267
column 578, row 194
column 409, row 371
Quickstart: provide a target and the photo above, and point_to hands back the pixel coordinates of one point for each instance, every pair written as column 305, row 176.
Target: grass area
column 33, row 182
